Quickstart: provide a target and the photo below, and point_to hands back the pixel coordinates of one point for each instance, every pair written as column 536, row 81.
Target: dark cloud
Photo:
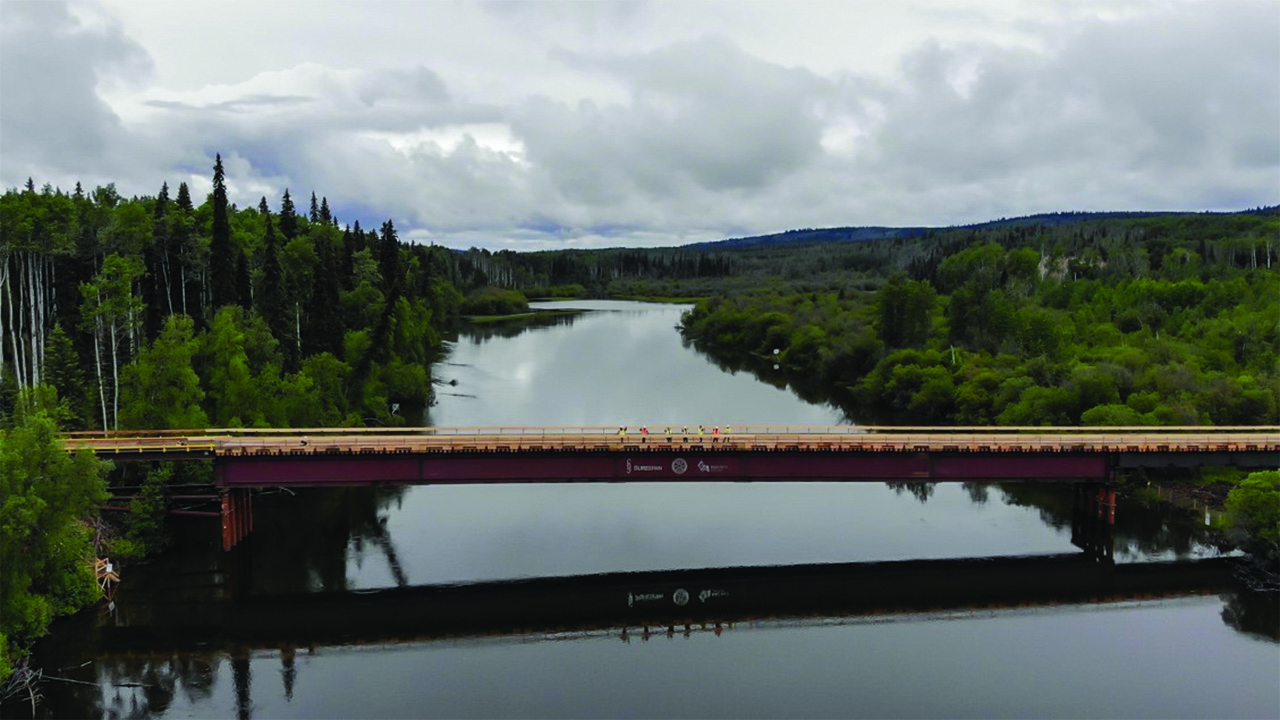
column 246, row 103
column 53, row 124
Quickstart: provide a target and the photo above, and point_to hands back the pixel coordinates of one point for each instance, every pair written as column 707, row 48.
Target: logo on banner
column 679, row 466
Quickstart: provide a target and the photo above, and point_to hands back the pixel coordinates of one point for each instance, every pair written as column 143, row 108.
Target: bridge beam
column 332, row 470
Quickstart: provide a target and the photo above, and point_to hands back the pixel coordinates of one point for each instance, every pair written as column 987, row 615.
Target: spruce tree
column 288, row 217
column 314, row 214
column 389, row 258
column 155, row 257
column 244, row 288
column 64, row 371
column 222, row 261
column 271, row 303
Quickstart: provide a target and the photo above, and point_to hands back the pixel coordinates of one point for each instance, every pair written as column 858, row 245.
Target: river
column 380, row 602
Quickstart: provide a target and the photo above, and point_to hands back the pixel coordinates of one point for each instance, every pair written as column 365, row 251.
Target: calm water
column 297, row 622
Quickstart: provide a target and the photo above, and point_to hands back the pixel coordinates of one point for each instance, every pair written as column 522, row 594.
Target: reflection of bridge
column 348, row 456
column 640, row 603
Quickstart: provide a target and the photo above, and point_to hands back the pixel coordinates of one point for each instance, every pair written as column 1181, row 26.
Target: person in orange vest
column 644, row 433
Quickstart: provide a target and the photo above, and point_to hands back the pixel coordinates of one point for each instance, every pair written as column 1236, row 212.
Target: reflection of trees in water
column 1141, row 529
column 979, row 493
column 480, row 333
column 1253, row 613
column 300, row 540
column 921, row 490
column 129, row 687
column 809, row 388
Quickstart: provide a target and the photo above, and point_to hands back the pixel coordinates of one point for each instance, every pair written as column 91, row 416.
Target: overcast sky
column 533, row 125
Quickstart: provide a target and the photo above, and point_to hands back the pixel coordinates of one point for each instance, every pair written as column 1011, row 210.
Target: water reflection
column 158, row 669
column 482, row 332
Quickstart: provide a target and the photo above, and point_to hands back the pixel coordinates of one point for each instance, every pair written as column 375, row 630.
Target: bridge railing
column 750, row 437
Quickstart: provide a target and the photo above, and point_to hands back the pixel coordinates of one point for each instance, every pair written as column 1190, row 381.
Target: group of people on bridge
column 684, row 432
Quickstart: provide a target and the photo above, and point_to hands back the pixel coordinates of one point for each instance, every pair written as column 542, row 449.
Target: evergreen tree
column 244, row 288
column 186, row 272
column 155, row 259
column 288, row 217
column 314, row 214
column 272, row 304
column 222, row 260
column 63, row 370
column 325, row 216
column 389, row 258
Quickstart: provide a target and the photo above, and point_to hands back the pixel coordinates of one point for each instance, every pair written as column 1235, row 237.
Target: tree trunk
column 97, row 356
column 33, row 331
column 115, row 379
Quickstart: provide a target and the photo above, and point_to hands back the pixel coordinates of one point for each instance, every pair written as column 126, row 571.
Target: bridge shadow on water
column 286, row 594
column 167, row 648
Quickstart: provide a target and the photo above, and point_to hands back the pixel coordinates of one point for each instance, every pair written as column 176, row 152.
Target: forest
column 159, row 312
column 1171, row 320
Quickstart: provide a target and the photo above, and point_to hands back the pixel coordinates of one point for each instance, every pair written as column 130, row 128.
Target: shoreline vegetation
column 161, row 312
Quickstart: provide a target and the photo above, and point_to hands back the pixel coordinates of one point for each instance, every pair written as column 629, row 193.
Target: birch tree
column 111, row 312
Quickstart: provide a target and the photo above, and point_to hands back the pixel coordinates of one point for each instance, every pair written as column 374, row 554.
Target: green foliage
column 45, row 552
column 1033, row 326
column 161, row 390
column 1254, row 506
column 904, row 311
column 495, row 301
column 144, row 526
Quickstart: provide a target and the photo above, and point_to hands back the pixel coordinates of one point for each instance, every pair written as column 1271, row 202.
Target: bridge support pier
column 237, row 516
column 1093, row 519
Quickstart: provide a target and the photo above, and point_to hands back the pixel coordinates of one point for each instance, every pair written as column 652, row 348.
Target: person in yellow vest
column 700, row 431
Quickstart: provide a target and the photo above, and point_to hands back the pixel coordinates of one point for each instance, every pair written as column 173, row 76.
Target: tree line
column 1147, row 321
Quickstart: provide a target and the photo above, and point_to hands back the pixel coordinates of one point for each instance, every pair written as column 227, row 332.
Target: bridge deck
column 752, row 439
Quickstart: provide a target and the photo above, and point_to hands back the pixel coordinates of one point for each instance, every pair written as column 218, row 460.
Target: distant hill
column 810, row 236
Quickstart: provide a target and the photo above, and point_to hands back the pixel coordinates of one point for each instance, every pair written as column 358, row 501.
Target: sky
column 511, row 124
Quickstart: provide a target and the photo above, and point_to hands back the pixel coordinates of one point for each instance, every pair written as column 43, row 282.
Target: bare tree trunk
column 4, row 284
column 168, row 283
column 97, row 356
column 184, row 289
column 33, row 332
column 7, row 285
column 42, row 290
column 115, row 379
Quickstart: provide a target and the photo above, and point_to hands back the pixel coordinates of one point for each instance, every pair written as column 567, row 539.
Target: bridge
column 328, row 457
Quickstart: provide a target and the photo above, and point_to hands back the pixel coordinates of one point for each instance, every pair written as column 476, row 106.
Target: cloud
column 586, row 125
column 246, row 103
column 701, row 114
column 53, row 125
